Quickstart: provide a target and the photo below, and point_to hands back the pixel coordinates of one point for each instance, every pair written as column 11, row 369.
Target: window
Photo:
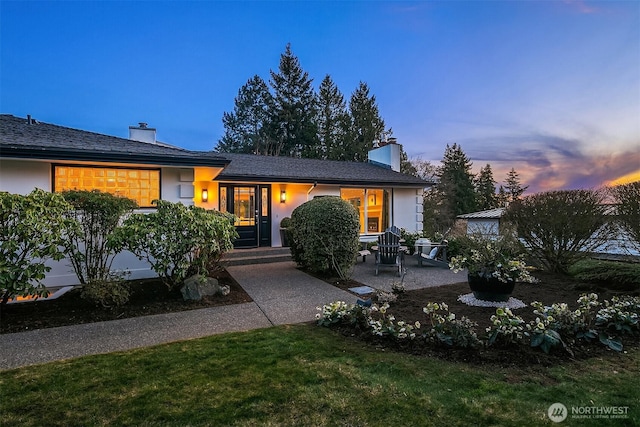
column 141, row 185
column 372, row 206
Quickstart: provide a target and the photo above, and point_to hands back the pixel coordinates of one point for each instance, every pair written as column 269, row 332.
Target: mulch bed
column 148, row 296
column 549, row 290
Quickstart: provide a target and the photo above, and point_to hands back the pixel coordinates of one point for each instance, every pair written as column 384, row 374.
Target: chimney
column 387, row 156
column 142, row 133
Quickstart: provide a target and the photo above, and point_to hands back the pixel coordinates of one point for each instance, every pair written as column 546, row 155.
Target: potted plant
column 285, row 224
column 494, row 265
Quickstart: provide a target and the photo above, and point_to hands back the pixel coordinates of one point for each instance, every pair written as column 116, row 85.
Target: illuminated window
column 141, row 185
column 372, row 207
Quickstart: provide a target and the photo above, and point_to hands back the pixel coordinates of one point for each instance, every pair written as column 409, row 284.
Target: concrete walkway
column 281, row 295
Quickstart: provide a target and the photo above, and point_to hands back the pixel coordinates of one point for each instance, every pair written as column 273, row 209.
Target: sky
column 550, row 88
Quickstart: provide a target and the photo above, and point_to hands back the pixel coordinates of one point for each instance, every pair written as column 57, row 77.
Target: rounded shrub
column 325, row 235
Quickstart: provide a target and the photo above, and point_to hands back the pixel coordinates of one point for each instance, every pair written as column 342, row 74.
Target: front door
column 250, row 204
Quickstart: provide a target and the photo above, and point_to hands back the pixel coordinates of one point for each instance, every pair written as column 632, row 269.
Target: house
column 259, row 190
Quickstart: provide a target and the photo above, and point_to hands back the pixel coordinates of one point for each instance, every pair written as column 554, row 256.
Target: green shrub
column 98, row 214
column 613, row 274
column 177, row 240
column 286, row 222
column 560, row 228
column 110, row 292
column 32, row 231
column 325, row 236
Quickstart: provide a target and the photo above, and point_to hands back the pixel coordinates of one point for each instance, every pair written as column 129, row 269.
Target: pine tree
column 406, row 166
column 293, row 118
column 332, row 120
column 513, row 187
column 502, row 198
column 486, row 189
column 456, row 181
column 246, row 128
column 366, row 124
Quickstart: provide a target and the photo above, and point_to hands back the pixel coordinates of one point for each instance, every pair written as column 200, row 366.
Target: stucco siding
column 23, row 176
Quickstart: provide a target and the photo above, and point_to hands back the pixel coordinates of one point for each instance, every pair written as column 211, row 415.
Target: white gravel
column 512, row 303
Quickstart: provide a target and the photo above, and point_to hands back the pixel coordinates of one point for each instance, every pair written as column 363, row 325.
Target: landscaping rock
column 196, row 287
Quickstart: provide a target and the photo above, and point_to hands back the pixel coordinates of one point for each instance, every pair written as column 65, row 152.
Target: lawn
column 307, row 375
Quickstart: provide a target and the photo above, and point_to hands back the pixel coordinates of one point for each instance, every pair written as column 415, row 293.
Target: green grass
column 304, row 375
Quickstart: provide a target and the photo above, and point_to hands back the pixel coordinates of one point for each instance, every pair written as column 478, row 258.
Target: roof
column 259, row 168
column 38, row 140
column 489, row 214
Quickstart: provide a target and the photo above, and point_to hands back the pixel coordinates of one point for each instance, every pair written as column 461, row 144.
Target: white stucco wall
column 407, row 209
column 22, row 176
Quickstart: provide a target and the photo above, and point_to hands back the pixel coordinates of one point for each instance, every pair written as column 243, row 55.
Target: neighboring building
column 484, row 222
column 259, row 190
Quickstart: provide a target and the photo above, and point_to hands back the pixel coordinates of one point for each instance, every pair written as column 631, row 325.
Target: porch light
column 205, row 195
column 283, row 196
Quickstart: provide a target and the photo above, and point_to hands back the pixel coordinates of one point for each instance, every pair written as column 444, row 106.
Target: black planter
column 490, row 289
column 284, row 237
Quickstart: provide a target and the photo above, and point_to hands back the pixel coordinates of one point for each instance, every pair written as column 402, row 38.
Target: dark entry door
column 250, row 204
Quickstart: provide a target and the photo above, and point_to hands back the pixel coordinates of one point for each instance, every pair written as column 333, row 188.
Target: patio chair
column 389, row 252
column 437, row 257
column 395, row 230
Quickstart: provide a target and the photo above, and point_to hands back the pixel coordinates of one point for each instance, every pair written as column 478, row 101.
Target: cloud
column 551, row 162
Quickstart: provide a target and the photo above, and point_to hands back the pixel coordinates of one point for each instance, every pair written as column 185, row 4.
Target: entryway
column 250, row 203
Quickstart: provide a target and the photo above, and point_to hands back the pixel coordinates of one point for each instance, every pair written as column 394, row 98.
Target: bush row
column 554, row 326
column 91, row 228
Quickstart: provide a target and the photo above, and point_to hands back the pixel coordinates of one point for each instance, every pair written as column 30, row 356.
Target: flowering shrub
column 499, row 258
column 620, row 315
column 507, row 328
column 543, row 336
column 449, row 330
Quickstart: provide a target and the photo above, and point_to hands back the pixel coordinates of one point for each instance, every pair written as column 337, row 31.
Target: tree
column 512, row 187
column 456, row 181
column 406, row 166
column 366, row 124
column 98, row 214
column 486, row 189
column 333, row 121
column 246, row 128
column 627, row 197
column 293, row 117
column 560, row 228
column 32, row 231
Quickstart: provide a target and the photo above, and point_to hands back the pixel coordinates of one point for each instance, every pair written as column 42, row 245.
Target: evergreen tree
column 456, row 181
column 293, row 117
column 486, row 189
column 513, row 187
column 246, row 128
column 332, row 120
column 406, row 166
column 366, row 124
column 502, row 198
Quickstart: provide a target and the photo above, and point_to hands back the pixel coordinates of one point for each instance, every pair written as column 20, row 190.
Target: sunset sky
column 551, row 88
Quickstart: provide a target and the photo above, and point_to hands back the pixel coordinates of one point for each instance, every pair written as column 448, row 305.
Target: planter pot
column 284, row 237
column 490, row 289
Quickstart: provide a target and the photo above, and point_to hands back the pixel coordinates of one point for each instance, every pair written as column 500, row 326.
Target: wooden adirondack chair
column 437, row 257
column 389, row 253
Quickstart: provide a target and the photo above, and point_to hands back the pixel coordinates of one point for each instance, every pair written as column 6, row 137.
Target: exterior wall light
column 283, row 196
column 205, row 195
